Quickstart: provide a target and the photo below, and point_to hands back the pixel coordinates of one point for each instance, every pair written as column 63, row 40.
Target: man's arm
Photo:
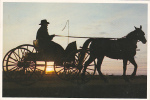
column 52, row 36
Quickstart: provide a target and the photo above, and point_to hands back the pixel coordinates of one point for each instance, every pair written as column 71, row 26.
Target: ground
column 51, row 86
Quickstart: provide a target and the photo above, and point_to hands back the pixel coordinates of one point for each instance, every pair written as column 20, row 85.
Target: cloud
column 103, row 33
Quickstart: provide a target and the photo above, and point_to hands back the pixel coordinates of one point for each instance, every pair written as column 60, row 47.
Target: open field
column 51, row 86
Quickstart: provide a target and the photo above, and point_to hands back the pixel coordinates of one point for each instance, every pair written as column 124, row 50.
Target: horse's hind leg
column 124, row 69
column 99, row 63
column 86, row 64
column 98, row 66
column 135, row 67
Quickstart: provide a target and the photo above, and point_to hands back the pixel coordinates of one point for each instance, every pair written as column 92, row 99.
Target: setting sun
column 49, row 69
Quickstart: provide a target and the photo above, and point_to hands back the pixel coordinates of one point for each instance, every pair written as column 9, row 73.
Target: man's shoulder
column 41, row 29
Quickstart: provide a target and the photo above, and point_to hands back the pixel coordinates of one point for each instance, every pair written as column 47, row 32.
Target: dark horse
column 122, row 48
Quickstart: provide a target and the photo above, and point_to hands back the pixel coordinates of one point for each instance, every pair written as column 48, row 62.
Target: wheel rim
column 66, row 71
column 90, row 70
column 71, row 70
column 28, row 72
column 16, row 67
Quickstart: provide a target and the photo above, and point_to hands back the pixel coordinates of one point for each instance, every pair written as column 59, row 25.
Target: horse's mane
column 128, row 36
column 131, row 34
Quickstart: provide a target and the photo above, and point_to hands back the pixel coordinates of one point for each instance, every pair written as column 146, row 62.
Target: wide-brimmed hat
column 43, row 22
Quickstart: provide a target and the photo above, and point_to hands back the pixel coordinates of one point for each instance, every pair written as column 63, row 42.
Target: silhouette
column 45, row 44
column 44, row 39
column 122, row 48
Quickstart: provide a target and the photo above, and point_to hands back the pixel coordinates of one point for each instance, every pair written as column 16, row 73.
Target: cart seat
column 42, row 55
column 36, row 44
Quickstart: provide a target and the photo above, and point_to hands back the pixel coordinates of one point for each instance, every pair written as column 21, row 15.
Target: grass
column 52, row 86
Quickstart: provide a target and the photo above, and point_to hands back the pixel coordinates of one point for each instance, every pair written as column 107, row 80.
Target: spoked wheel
column 65, row 70
column 21, row 67
column 4, row 64
column 72, row 67
column 81, row 58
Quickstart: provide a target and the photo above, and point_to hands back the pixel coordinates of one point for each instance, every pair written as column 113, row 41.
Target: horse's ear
column 135, row 27
column 140, row 26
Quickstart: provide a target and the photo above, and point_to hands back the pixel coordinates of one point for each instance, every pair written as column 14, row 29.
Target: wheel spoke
column 21, row 51
column 11, row 65
column 13, row 59
column 32, row 69
column 91, row 65
column 18, row 52
column 76, row 62
column 17, row 55
column 85, row 58
column 60, row 70
column 33, row 50
column 13, row 68
column 74, row 70
column 39, row 69
column 40, row 65
column 59, row 67
column 88, row 73
column 89, row 69
column 27, row 47
column 76, row 56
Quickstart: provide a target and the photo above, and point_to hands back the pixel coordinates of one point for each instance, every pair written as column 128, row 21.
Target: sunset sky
column 21, row 21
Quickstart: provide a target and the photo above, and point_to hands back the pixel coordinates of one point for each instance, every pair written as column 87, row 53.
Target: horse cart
column 22, row 64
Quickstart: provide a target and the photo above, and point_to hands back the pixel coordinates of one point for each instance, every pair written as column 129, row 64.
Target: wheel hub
column 69, row 64
column 23, row 64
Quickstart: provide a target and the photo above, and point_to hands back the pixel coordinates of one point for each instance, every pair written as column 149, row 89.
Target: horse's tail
column 86, row 43
column 83, row 51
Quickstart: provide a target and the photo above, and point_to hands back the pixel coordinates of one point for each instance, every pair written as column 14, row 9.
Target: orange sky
column 21, row 22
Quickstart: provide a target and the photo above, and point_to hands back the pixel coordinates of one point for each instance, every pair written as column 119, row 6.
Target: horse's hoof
column 132, row 77
column 126, row 79
column 104, row 79
column 133, row 74
column 82, row 74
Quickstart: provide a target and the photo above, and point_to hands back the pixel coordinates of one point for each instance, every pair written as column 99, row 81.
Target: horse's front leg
column 135, row 67
column 124, row 67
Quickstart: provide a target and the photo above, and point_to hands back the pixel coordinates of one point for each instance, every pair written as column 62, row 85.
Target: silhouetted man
column 43, row 37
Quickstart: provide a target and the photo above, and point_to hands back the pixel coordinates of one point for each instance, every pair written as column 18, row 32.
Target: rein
column 84, row 37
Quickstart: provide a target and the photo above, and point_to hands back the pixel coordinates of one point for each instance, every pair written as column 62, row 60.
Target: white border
column 81, row 1
column 148, row 54
column 1, row 42
column 76, row 1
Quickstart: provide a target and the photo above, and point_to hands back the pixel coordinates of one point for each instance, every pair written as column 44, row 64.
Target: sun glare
column 49, row 69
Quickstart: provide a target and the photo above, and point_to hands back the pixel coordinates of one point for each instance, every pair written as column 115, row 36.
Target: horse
column 121, row 48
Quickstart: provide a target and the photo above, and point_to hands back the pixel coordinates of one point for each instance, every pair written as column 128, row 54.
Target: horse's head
column 140, row 35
